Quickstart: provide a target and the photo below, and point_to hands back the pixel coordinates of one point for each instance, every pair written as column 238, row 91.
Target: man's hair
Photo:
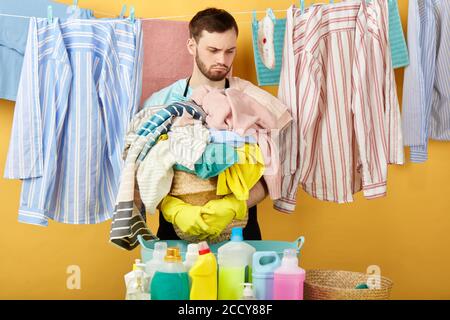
column 211, row 20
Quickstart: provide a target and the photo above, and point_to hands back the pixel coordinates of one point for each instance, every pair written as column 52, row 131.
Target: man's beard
column 213, row 76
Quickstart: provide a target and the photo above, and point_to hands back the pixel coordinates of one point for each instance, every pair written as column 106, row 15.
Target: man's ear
column 191, row 46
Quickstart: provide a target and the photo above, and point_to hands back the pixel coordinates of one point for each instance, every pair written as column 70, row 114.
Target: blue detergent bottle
column 264, row 265
column 171, row 280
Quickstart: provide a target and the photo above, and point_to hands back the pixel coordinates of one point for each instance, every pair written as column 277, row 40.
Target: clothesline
column 109, row 15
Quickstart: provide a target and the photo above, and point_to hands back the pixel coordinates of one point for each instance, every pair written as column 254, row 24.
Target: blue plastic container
column 260, row 245
column 264, row 264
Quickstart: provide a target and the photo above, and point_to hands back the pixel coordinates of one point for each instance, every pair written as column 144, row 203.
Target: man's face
column 214, row 53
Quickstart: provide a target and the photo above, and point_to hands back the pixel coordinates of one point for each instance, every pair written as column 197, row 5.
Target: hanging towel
column 166, row 58
column 397, row 42
column 13, row 37
column 266, row 76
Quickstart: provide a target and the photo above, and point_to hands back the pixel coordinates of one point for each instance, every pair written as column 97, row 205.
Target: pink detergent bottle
column 288, row 278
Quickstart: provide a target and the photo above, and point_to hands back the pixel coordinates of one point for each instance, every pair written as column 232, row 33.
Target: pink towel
column 166, row 58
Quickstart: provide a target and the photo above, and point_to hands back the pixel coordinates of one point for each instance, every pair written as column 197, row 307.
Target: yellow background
column 406, row 234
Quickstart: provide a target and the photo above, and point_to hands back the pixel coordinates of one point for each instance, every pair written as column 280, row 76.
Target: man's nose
column 220, row 59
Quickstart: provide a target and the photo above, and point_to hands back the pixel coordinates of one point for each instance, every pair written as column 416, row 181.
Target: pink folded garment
column 231, row 109
column 166, row 58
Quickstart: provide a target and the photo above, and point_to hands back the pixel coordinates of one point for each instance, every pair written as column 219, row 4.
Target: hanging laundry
column 75, row 99
column 397, row 42
column 231, row 109
column 129, row 214
column 268, row 36
column 216, row 159
column 163, row 39
column 14, row 35
column 346, row 127
column 426, row 88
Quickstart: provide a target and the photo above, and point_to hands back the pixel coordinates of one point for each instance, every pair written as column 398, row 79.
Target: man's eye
column 213, row 50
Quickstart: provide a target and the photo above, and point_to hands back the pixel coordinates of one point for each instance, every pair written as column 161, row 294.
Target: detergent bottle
column 136, row 282
column 288, row 278
column 264, row 265
column 204, row 275
column 235, row 260
column 191, row 255
column 170, row 281
column 159, row 252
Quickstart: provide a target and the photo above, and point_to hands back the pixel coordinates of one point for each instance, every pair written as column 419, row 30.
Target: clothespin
column 254, row 20
column 122, row 12
column 302, row 6
column 131, row 17
column 271, row 15
column 50, row 14
column 73, row 11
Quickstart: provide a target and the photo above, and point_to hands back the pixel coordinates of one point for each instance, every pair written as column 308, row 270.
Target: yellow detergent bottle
column 204, row 275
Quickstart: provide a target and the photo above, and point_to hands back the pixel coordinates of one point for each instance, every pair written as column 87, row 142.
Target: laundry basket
column 147, row 246
column 340, row 285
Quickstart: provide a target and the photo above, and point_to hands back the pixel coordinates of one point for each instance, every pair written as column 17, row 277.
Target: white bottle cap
column 248, row 290
column 159, row 251
column 289, row 257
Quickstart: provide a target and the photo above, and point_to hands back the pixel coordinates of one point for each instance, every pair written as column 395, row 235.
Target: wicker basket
column 340, row 285
column 196, row 191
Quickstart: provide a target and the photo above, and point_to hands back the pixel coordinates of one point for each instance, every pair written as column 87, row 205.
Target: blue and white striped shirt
column 79, row 88
column 426, row 88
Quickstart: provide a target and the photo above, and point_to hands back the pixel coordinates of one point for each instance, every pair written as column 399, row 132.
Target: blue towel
column 267, row 77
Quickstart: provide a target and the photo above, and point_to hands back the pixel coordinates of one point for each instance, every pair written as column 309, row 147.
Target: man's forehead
column 223, row 40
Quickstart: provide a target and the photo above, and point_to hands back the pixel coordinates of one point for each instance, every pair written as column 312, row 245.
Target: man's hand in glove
column 186, row 217
column 223, row 211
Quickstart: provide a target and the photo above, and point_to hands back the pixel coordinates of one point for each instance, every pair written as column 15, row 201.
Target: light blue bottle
column 264, row 264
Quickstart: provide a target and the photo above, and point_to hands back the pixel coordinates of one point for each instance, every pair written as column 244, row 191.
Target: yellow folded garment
column 203, row 221
column 243, row 175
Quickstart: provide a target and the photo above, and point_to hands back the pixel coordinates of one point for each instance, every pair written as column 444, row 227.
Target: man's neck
column 198, row 79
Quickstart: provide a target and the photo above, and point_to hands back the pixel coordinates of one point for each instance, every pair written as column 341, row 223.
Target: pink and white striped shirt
column 338, row 81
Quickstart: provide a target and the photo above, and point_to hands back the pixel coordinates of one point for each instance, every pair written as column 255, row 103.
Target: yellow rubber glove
column 186, row 216
column 243, row 175
column 223, row 212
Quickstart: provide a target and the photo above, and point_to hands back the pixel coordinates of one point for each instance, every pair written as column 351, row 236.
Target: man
column 212, row 43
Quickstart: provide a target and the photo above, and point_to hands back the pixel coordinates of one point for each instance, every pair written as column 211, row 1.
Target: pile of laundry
column 223, row 138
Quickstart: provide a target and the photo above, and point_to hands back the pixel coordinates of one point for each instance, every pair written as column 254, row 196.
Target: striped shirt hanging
column 79, row 88
column 338, row 79
column 426, row 88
